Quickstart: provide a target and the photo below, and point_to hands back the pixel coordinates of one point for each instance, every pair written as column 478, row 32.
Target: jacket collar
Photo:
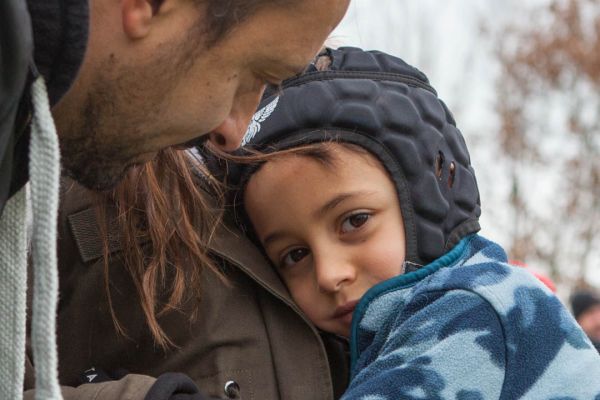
column 228, row 243
column 233, row 246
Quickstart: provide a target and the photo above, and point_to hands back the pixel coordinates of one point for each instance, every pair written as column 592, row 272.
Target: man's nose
column 333, row 273
column 228, row 136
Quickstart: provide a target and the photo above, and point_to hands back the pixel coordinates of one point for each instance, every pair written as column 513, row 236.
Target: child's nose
column 333, row 273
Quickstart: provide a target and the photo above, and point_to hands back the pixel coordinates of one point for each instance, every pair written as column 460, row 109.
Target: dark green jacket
column 249, row 332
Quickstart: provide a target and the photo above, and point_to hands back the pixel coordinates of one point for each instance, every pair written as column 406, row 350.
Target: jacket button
column 232, row 390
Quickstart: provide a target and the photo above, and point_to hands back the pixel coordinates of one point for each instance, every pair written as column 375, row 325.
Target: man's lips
column 345, row 309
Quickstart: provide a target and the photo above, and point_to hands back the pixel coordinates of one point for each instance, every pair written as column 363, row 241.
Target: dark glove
column 174, row 386
column 97, row 375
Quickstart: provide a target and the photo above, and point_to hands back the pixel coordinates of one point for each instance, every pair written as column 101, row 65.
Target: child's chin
column 343, row 331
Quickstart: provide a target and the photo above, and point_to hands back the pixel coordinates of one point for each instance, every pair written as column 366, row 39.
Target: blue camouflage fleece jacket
column 469, row 326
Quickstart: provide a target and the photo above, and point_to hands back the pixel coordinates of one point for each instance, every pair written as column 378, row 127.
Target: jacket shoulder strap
column 88, row 238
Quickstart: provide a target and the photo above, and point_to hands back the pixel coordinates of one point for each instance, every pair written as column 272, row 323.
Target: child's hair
column 318, row 151
column 386, row 107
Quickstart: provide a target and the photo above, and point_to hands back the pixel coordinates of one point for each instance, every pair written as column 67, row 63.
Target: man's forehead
column 296, row 25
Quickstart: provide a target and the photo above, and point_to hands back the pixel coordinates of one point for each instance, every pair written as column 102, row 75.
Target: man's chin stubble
column 97, row 177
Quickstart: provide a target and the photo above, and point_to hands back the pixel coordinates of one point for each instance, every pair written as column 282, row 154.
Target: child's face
column 332, row 231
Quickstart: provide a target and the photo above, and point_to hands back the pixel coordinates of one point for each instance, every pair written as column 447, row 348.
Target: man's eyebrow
column 339, row 199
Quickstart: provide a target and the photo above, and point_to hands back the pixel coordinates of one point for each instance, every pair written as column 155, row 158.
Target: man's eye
column 354, row 222
column 294, row 257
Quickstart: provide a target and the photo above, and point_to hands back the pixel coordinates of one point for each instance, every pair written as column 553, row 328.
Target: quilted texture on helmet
column 381, row 103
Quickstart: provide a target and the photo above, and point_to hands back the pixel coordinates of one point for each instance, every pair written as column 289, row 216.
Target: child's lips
column 345, row 309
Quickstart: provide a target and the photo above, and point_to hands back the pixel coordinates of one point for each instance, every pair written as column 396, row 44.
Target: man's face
column 147, row 84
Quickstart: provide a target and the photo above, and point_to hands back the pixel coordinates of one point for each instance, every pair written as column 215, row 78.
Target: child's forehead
column 333, row 161
column 299, row 188
column 333, row 155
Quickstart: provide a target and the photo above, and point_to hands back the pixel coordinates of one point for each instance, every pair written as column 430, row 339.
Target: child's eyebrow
column 330, row 205
column 339, row 199
column 272, row 237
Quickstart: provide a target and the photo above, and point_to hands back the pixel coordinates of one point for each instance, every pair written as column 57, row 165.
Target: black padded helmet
column 386, row 106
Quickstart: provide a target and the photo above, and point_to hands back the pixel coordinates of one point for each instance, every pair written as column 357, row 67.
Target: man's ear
column 137, row 17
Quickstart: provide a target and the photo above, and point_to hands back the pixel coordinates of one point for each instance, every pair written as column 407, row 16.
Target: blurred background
column 523, row 81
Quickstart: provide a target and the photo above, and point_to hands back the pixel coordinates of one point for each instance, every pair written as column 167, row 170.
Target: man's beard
column 119, row 114
column 89, row 156
column 96, row 173
column 122, row 114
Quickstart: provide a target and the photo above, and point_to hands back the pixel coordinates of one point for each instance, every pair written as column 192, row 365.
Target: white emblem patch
column 260, row 116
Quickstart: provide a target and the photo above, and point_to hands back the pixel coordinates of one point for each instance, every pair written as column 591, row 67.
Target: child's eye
column 354, row 221
column 294, row 257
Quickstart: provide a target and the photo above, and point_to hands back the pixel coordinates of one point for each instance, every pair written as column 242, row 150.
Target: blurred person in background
column 585, row 305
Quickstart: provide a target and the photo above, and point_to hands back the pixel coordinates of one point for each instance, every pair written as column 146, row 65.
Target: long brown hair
column 164, row 220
